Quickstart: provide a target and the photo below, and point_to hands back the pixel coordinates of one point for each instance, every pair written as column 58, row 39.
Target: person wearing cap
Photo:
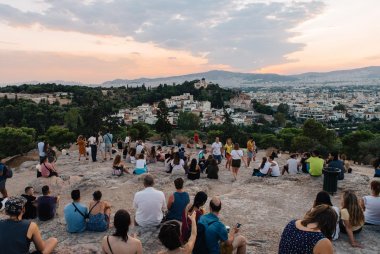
column 20, row 233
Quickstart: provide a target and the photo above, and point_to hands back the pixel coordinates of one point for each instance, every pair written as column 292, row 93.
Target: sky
column 93, row 41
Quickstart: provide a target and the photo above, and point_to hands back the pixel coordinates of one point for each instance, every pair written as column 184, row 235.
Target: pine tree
column 163, row 125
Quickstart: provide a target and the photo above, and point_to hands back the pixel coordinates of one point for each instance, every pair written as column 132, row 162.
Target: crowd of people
column 184, row 226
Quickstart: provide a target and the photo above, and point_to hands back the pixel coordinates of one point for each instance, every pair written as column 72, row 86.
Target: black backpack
column 200, row 246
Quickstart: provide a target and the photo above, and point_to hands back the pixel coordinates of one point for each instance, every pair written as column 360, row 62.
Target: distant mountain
column 223, row 78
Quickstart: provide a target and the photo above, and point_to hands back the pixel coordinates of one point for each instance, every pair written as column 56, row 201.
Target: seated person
column 120, row 242
column 99, row 214
column 160, row 156
column 291, row 165
column 141, row 167
column 30, row 205
column 371, row 205
column 47, row 169
column 274, row 169
column 118, row 166
column 336, row 163
column 216, row 232
column 152, row 156
column 177, row 201
column 2, row 203
column 194, row 170
column 177, row 165
column 213, row 169
column 149, row 204
column 131, row 158
column 46, row 205
column 264, row 168
column 170, row 237
column 75, row 214
column 20, row 233
column 376, row 165
column 168, row 160
column 315, row 164
column 202, row 164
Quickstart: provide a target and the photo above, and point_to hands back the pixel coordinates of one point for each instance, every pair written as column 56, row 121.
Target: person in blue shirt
column 336, row 163
column 216, row 231
column 41, row 151
column 75, row 214
column 3, row 180
column 376, row 165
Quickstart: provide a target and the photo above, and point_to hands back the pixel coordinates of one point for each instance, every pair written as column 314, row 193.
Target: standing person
column 94, row 148
column 371, row 205
column 194, row 170
column 217, row 147
column 352, row 217
column 30, row 205
column 274, row 169
column 82, row 147
column 99, row 214
column 236, row 157
column 215, row 231
column 75, row 214
column 127, row 140
column 311, row 234
column 196, row 139
column 3, row 179
column 315, row 164
column 251, row 156
column 41, row 150
column 107, row 144
column 149, row 204
column 46, row 205
column 120, row 242
column 291, row 165
column 177, row 202
column 101, row 145
column 227, row 149
column 119, row 145
column 17, row 234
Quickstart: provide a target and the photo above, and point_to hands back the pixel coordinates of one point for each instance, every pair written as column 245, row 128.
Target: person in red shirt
column 196, row 139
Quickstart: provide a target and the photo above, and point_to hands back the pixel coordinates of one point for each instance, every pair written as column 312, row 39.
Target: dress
column 82, row 147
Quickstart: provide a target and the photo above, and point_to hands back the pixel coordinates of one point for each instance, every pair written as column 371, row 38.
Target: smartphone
column 238, row 225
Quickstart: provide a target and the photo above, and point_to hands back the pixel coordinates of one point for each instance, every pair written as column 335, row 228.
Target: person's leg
column 4, row 192
column 50, row 244
column 240, row 244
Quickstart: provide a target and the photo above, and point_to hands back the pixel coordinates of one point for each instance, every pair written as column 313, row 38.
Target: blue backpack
column 200, row 246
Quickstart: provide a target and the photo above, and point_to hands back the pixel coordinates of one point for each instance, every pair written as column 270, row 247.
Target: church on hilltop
column 201, row 84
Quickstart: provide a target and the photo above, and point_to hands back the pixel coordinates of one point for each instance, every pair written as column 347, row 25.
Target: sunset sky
column 98, row 40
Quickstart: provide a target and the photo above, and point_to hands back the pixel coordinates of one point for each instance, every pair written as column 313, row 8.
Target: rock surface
column 262, row 205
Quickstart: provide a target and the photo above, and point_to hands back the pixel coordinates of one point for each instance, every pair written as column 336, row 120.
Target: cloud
column 244, row 36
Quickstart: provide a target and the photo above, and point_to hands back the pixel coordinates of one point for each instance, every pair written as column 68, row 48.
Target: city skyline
column 96, row 41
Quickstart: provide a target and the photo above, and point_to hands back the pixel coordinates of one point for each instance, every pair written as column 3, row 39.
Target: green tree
column 133, row 133
column 143, row 130
column 73, row 120
column 270, row 140
column 351, row 143
column 302, row 144
column 340, row 107
column 59, row 136
column 212, row 134
column 280, row 119
column 163, row 125
column 15, row 141
column 188, row 121
column 283, row 108
column 287, row 135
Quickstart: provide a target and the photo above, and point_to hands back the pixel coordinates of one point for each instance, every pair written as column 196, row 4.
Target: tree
column 163, row 125
column 133, row 133
column 73, row 120
column 302, row 144
column 351, row 143
column 280, row 119
column 15, row 141
column 340, row 107
column 59, row 136
column 212, row 134
column 283, row 108
column 270, row 140
column 143, row 130
column 287, row 135
column 188, row 121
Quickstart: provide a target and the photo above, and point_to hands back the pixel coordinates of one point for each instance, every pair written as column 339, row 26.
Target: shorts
column 2, row 184
column 218, row 158
column 250, row 155
column 236, row 163
column 108, row 148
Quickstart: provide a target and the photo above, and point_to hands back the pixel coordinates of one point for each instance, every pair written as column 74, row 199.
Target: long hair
column 176, row 159
column 325, row 217
column 169, row 235
column 351, row 203
column 132, row 152
column 323, row 198
column 264, row 160
column 117, row 160
column 122, row 220
column 199, row 200
column 153, row 152
column 193, row 164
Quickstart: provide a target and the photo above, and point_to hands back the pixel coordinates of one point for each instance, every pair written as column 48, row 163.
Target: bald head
column 215, row 204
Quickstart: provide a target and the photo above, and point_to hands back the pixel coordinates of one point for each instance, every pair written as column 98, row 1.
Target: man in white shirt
column 149, row 204
column 291, row 165
column 274, row 168
column 139, row 147
column 127, row 140
column 94, row 148
column 217, row 147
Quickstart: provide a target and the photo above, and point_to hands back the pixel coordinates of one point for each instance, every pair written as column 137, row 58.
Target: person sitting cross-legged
column 47, row 205
column 99, row 214
column 75, row 214
column 177, row 201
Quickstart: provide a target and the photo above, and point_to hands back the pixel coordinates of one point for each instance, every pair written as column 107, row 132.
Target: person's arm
column 324, row 246
column 163, row 202
column 170, row 201
column 350, row 234
column 139, row 248
column 362, row 203
column 269, row 171
column 231, row 236
column 190, row 244
column 35, row 235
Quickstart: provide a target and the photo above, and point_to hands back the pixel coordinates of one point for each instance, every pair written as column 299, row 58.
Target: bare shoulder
column 324, row 246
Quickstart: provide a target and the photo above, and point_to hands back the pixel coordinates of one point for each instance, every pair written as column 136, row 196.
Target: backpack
column 200, row 246
column 7, row 172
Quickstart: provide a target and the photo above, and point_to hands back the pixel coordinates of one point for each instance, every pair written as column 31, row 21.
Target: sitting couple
column 268, row 167
column 79, row 219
